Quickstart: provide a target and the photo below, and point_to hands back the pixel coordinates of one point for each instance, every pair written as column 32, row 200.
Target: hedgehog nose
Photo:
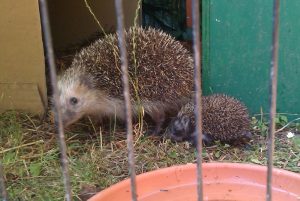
column 248, row 135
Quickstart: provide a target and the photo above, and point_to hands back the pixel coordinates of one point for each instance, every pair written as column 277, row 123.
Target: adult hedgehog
column 160, row 71
column 224, row 118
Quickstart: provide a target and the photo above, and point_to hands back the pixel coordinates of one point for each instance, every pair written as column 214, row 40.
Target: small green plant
column 280, row 120
column 260, row 125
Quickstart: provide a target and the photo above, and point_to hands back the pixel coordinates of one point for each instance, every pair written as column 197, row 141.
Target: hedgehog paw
column 207, row 139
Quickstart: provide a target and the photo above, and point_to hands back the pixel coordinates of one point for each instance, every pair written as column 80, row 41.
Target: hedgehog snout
column 246, row 136
column 68, row 117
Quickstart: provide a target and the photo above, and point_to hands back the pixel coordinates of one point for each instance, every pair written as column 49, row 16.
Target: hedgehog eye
column 73, row 101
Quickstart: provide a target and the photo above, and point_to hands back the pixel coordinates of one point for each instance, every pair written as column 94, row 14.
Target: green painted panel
column 237, row 36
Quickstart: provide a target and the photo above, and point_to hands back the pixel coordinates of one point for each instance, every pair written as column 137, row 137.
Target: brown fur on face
column 89, row 102
column 96, row 103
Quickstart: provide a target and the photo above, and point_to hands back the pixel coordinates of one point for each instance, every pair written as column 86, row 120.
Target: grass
column 98, row 157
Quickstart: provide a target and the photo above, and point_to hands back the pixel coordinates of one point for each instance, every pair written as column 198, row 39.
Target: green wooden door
column 237, row 36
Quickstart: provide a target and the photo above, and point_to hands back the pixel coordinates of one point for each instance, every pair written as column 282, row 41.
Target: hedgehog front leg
column 157, row 115
column 158, row 119
column 207, row 139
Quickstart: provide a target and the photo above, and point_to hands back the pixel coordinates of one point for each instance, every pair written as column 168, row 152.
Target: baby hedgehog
column 161, row 79
column 224, row 118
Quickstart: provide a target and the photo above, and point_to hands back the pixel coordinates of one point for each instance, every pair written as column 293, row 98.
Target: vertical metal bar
column 57, row 108
column 128, row 110
column 198, row 99
column 273, row 95
column 205, row 43
column 3, row 192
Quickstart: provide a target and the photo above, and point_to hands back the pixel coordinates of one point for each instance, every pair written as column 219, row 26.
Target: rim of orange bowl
column 191, row 166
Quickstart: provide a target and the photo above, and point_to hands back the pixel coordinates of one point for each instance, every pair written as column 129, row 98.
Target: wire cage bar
column 3, row 195
column 198, row 100
column 56, row 107
column 128, row 110
column 198, row 94
column 273, row 96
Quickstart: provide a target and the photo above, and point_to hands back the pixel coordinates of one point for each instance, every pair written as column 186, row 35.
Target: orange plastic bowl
column 221, row 182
